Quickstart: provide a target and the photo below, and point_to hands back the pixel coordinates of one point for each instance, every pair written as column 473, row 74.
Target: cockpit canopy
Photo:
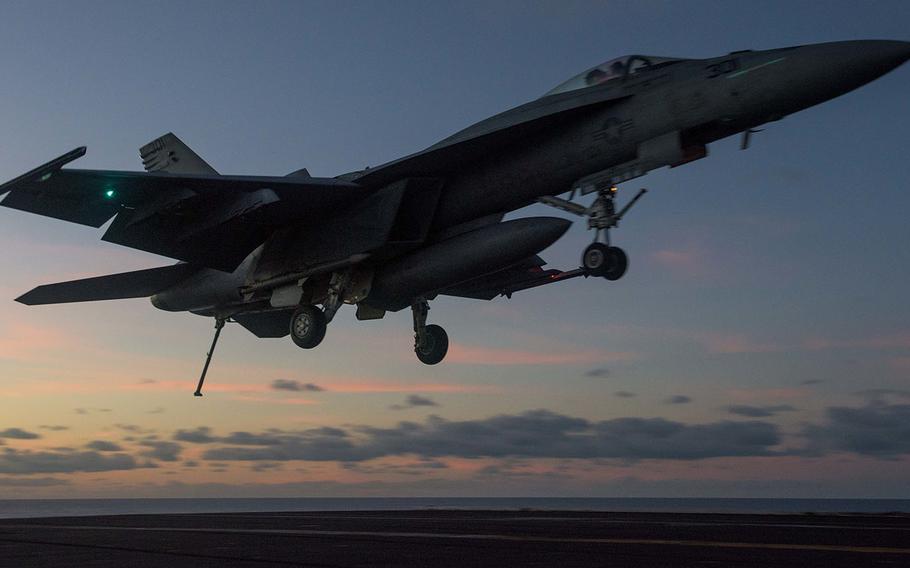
column 612, row 69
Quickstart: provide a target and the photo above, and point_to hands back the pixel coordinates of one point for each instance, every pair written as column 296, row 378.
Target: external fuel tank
column 461, row 258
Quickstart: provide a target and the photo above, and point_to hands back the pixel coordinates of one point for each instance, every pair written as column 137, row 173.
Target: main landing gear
column 430, row 341
column 308, row 323
column 600, row 258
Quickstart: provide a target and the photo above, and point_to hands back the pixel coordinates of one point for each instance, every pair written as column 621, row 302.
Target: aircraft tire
column 596, row 259
column 617, row 265
column 434, row 347
column 307, row 326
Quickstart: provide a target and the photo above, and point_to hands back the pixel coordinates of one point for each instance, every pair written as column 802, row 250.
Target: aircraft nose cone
column 903, row 51
column 832, row 69
column 864, row 56
column 886, row 55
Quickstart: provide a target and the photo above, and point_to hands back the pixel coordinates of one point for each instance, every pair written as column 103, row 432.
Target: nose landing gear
column 600, row 258
column 606, row 261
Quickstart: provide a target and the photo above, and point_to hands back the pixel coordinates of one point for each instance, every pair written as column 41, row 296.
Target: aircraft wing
column 206, row 219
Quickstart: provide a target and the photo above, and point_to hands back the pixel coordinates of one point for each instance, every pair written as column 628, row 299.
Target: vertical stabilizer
column 169, row 154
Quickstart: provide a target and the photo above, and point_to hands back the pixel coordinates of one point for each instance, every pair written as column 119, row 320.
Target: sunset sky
column 759, row 345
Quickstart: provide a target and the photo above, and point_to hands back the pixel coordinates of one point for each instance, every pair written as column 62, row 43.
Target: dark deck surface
column 457, row 538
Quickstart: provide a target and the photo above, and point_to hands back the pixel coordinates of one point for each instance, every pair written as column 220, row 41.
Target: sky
column 759, row 345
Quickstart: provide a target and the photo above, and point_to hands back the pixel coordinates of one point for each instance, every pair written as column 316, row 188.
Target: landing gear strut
column 430, row 341
column 600, row 258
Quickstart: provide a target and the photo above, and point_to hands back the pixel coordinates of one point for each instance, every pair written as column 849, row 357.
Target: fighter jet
column 280, row 255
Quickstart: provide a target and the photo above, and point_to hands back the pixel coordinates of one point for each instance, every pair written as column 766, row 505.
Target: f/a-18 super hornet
column 267, row 252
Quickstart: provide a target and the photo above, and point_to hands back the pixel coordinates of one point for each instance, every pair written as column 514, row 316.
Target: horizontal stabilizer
column 136, row 284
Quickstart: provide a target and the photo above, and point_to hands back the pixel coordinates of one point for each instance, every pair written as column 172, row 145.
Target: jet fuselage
column 266, row 251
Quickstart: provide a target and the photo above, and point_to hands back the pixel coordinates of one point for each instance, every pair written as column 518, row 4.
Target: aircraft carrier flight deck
column 455, row 538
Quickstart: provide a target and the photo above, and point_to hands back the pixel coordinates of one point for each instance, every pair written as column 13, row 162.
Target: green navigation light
column 109, row 193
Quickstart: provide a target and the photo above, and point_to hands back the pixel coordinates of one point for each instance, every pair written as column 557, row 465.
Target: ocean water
column 24, row 508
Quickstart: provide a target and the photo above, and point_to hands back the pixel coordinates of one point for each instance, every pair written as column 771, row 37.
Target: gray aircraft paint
column 407, row 230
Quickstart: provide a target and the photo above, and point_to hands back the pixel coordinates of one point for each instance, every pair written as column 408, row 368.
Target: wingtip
column 23, row 299
column 45, row 169
column 33, row 297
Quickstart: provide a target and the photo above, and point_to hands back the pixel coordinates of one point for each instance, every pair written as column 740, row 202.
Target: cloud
column 161, row 450
column 266, row 466
column 201, row 435
column 735, row 343
column 134, row 428
column 414, row 400
column 515, row 470
column 678, row 399
column 90, row 410
column 295, row 386
column 26, row 462
column 18, row 434
column 376, row 387
column 625, row 394
column 250, row 439
column 494, row 356
column 419, row 468
column 766, row 394
column 810, row 382
column 53, row 427
column 271, row 437
column 538, row 433
column 689, row 263
column 876, row 429
column 103, row 446
column 257, row 391
column 598, row 373
column 900, row 340
column 877, row 394
column 32, row 481
column 759, row 411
